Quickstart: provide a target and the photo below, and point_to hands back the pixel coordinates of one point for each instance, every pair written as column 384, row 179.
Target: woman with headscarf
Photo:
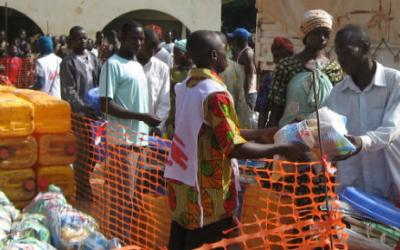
column 281, row 48
column 292, row 96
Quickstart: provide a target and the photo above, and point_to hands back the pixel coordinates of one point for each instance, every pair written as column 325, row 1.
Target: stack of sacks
column 56, row 143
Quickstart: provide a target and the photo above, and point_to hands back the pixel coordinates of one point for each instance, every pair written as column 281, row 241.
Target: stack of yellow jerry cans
column 36, row 145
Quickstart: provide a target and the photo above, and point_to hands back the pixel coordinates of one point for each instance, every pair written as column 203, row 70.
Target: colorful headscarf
column 282, row 42
column 315, row 19
column 181, row 45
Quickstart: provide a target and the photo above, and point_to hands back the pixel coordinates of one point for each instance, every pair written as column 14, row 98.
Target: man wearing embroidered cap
column 245, row 58
column 292, row 97
column 181, row 45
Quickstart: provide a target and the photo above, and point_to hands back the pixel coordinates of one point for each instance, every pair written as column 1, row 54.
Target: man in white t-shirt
column 47, row 68
column 157, row 74
column 169, row 43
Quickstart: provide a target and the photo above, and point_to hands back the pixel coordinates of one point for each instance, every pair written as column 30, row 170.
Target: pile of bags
column 22, row 231
column 48, row 223
column 332, row 131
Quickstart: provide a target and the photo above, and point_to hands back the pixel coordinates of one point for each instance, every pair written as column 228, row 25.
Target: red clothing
column 13, row 67
column 4, row 80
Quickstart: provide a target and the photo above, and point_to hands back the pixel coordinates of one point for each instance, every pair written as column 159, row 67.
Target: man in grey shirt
column 79, row 72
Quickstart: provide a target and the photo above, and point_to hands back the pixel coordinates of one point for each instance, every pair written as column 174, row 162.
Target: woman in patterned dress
column 316, row 27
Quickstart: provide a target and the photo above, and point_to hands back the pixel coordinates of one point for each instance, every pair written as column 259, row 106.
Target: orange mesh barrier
column 24, row 74
column 284, row 204
column 284, row 207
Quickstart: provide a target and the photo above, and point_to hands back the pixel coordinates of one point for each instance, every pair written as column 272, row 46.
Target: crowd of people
column 202, row 93
column 36, row 62
column 368, row 96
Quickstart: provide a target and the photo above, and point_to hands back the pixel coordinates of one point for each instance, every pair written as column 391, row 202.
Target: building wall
column 58, row 16
column 381, row 19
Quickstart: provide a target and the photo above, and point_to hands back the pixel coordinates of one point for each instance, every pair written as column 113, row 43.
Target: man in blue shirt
column 124, row 100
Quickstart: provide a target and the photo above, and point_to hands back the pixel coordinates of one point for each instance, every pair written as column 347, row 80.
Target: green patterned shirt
column 289, row 67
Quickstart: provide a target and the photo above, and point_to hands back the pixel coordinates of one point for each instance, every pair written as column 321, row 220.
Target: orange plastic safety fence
column 20, row 71
column 121, row 184
column 284, row 207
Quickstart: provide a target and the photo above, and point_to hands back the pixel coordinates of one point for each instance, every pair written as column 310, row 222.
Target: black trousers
column 184, row 239
column 85, row 158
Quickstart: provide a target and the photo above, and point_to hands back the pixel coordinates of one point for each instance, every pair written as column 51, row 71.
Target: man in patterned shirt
column 201, row 176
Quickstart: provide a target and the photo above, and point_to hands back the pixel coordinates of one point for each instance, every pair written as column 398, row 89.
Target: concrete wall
column 283, row 17
column 58, row 16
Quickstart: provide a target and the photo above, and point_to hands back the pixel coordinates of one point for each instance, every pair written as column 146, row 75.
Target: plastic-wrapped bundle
column 8, row 214
column 295, row 133
column 72, row 229
column 7, row 206
column 45, row 201
column 31, row 226
column 4, row 200
column 332, row 128
column 14, row 213
column 97, row 241
column 28, row 244
column 5, row 220
column 3, row 239
column 69, row 227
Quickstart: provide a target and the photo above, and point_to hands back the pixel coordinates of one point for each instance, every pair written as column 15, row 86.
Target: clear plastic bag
column 69, row 227
column 5, row 220
column 45, row 201
column 97, row 241
column 28, row 244
column 332, row 128
column 31, row 226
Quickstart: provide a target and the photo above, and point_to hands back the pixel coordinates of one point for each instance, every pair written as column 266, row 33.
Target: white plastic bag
column 332, row 130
